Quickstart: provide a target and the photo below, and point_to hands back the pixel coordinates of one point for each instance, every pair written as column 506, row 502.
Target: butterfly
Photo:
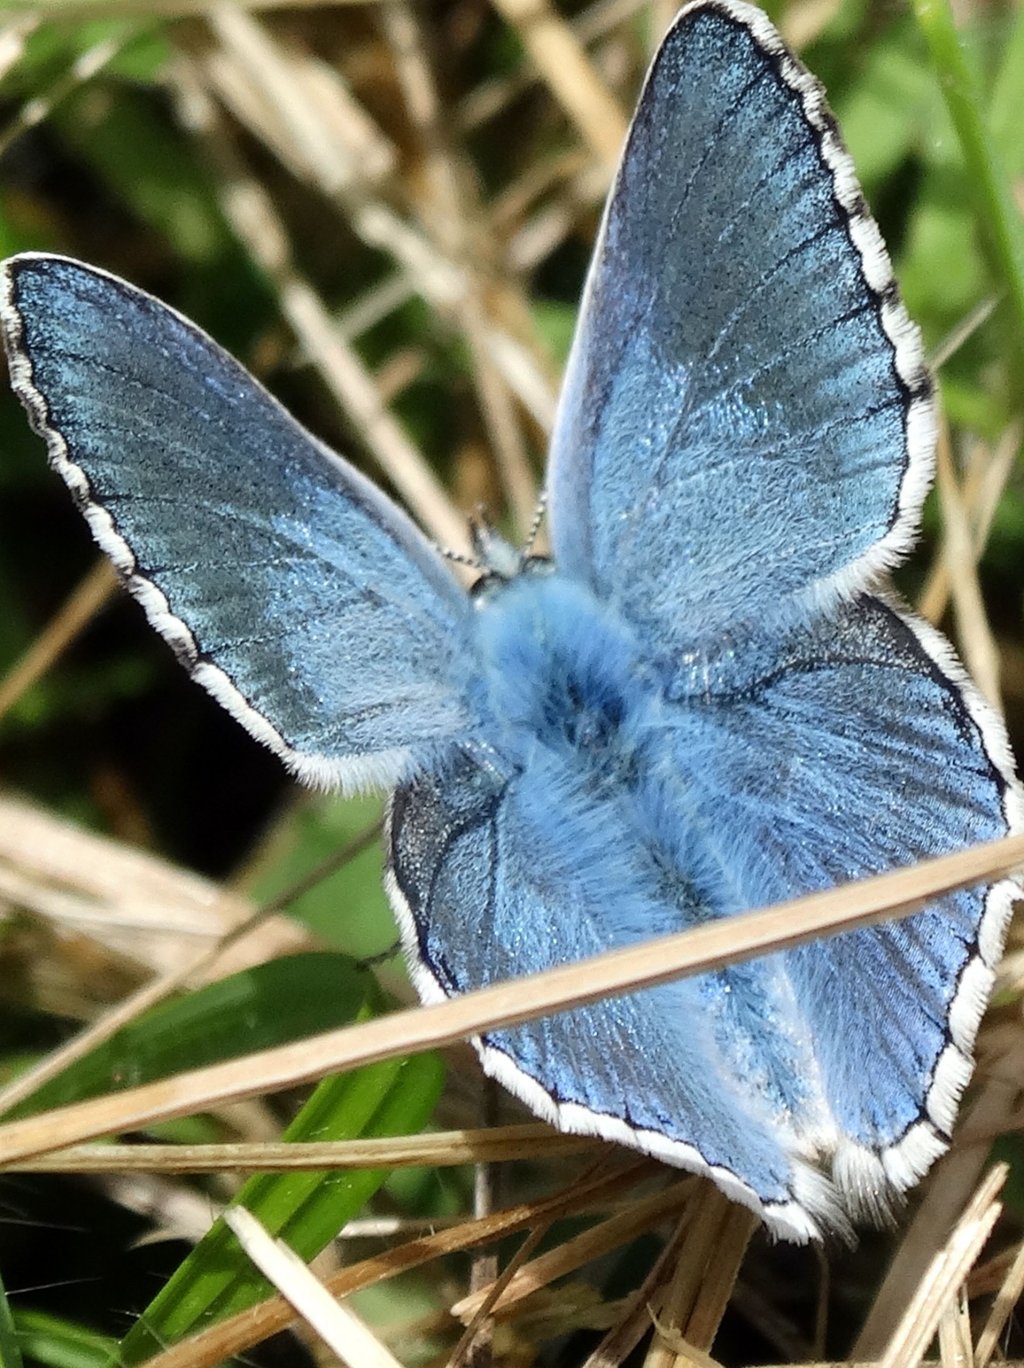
column 708, row 699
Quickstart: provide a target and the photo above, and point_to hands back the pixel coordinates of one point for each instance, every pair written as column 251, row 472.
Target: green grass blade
column 60, row 1343
column 1004, row 115
column 10, row 1353
column 999, row 221
column 286, row 999
column 305, row 1209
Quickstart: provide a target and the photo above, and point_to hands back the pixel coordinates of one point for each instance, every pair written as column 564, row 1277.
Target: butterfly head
column 498, row 560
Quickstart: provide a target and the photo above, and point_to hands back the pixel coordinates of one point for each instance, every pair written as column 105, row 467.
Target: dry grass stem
column 974, row 633
column 635, row 1318
column 1002, row 1309
column 35, row 111
column 537, row 394
column 340, row 1329
column 805, row 21
column 494, row 95
column 706, row 947
column 13, row 36
column 962, row 332
column 253, row 936
column 320, row 132
column 456, row 216
column 254, row 218
column 478, row 1329
column 679, row 1294
column 136, row 905
column 945, row 1275
column 954, row 1336
column 983, row 487
column 444, row 1149
column 331, row 149
column 574, row 83
column 693, row 1301
column 946, row 1195
column 582, row 1249
column 511, row 205
column 720, row 1276
column 238, row 1333
column 77, row 11
column 557, row 220
column 72, row 618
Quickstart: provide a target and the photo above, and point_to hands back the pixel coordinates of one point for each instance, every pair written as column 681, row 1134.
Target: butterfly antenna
column 538, row 518
column 460, row 558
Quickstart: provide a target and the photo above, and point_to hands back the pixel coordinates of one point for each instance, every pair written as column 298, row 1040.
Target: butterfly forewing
column 301, row 597
column 746, row 425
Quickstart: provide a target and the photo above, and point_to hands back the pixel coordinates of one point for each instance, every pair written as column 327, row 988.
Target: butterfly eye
column 537, row 565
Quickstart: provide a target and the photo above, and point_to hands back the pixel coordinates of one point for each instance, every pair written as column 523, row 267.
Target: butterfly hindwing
column 746, row 424
column 300, row 596
column 782, row 765
column 830, row 753
column 487, row 887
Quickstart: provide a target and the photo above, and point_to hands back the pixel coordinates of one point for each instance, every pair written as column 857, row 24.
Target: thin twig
column 72, row 618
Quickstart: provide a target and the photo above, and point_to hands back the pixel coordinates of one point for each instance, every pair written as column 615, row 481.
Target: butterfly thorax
column 561, row 673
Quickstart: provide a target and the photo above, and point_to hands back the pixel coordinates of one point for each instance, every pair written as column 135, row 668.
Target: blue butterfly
column 708, row 700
